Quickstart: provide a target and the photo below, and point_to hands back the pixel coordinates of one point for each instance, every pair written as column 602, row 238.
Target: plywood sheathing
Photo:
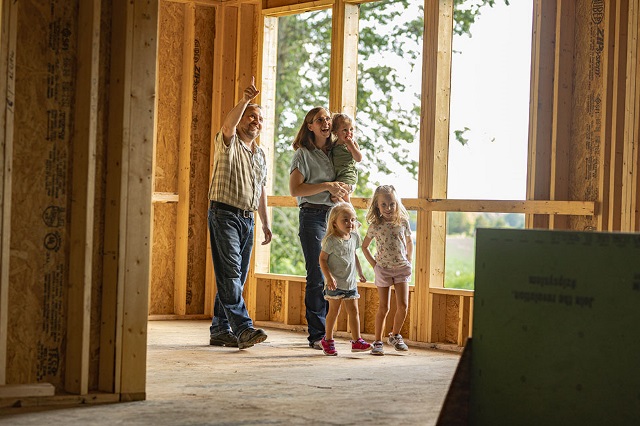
column 162, row 259
column 589, row 96
column 45, row 79
column 182, row 157
column 199, row 162
column 171, row 29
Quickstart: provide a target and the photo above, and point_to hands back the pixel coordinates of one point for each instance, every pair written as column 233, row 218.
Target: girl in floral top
column 389, row 226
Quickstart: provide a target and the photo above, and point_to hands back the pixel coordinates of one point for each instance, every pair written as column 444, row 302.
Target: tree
column 388, row 109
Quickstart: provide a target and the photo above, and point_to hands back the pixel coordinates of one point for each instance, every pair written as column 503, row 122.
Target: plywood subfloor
column 280, row 382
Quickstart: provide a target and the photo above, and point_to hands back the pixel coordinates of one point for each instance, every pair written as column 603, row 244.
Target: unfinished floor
column 280, row 382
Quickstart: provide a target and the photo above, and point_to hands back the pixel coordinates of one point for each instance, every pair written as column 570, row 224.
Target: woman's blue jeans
column 313, row 225
column 231, row 243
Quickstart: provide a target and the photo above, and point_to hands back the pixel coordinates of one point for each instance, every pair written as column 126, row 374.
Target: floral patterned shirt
column 391, row 243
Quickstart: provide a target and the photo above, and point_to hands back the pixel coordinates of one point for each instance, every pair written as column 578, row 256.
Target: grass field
column 459, row 262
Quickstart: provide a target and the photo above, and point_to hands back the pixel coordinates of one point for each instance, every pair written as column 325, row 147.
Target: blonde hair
column 375, row 216
column 333, row 218
column 338, row 119
column 305, row 137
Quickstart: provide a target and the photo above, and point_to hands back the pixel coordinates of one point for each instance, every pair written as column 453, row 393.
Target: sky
column 490, row 96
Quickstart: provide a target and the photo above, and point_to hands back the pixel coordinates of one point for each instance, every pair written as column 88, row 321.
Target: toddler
column 339, row 264
column 346, row 153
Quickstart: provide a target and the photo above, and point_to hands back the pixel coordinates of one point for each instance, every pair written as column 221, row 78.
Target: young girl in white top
column 340, row 264
column 389, row 226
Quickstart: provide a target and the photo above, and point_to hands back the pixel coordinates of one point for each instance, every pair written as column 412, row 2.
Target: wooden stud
column 433, row 157
column 184, row 163
column 541, row 108
column 138, row 143
column 83, row 199
column 8, row 37
column 631, row 159
column 612, row 176
column 266, row 78
column 113, row 258
column 562, row 106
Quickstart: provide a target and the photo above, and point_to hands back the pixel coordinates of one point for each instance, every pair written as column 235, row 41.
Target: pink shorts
column 386, row 277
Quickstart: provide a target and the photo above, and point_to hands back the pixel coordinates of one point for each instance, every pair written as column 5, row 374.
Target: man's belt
column 228, row 208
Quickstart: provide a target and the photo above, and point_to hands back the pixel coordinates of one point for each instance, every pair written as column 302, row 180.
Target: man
column 236, row 191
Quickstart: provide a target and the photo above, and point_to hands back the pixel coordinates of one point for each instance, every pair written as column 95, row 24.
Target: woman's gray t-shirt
column 316, row 167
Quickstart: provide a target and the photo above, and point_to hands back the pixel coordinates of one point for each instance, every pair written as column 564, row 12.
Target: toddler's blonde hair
column 333, row 218
column 337, row 120
column 375, row 216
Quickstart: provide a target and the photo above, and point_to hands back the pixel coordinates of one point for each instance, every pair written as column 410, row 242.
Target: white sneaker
column 397, row 342
column 377, row 348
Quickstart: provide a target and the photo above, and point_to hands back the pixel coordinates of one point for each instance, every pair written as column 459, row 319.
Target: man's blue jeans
column 313, row 225
column 231, row 243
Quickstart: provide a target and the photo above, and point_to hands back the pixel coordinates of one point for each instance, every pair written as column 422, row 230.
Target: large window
column 489, row 126
column 302, row 82
column 388, row 99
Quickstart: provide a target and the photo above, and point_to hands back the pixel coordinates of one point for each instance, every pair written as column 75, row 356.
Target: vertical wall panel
column 38, row 274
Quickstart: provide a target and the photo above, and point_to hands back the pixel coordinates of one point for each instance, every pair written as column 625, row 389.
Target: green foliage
column 459, row 263
column 460, row 136
column 466, row 12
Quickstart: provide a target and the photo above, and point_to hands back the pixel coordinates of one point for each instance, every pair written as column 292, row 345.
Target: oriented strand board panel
column 171, row 27
column 45, row 79
column 199, row 166
column 556, row 328
column 163, row 259
column 277, row 301
column 451, row 326
column 587, row 128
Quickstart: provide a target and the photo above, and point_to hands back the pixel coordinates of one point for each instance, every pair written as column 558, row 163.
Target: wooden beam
column 184, row 163
column 283, row 8
column 113, row 259
column 433, row 158
column 138, row 142
column 165, row 197
column 631, row 157
column 266, row 78
column 344, row 58
column 576, row 208
column 611, row 181
column 27, row 390
column 8, row 40
column 562, row 106
column 541, row 107
column 83, row 199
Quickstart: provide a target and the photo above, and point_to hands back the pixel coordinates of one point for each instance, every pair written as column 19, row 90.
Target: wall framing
column 128, row 199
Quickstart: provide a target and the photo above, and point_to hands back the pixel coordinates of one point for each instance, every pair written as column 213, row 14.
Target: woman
column 312, row 181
